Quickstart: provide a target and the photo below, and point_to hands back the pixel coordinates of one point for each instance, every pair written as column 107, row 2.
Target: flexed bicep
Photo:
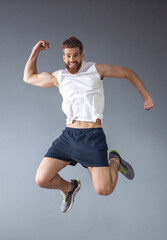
column 31, row 75
column 44, row 79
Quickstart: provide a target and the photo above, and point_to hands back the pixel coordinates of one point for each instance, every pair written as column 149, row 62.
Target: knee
column 40, row 181
column 104, row 191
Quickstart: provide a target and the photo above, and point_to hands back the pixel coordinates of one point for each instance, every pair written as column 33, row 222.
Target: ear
column 63, row 57
column 82, row 56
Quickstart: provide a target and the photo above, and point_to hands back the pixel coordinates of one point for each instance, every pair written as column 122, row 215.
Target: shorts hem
column 71, row 162
column 95, row 165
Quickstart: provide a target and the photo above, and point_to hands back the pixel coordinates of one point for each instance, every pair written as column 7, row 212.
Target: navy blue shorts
column 86, row 146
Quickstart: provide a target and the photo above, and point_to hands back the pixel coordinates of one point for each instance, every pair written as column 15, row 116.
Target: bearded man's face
column 73, row 59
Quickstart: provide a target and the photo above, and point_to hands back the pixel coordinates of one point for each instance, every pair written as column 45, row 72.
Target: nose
column 71, row 59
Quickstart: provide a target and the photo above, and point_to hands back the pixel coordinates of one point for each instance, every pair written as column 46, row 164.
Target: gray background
column 128, row 33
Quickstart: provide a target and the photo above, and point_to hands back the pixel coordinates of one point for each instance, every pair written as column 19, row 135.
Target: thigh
column 49, row 167
column 101, row 177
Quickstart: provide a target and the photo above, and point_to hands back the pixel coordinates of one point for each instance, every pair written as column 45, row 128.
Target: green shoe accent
column 124, row 167
column 68, row 198
column 114, row 151
column 78, row 181
column 123, row 170
column 65, row 197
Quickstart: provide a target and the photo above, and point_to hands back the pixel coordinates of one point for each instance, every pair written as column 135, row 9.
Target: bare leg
column 114, row 165
column 105, row 178
column 47, row 175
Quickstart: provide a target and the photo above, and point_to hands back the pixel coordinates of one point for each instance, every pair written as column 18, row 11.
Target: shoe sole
column 73, row 196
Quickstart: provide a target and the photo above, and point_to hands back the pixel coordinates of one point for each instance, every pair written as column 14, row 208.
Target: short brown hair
column 73, row 42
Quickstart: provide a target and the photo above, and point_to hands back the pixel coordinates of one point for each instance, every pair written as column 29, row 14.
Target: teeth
column 72, row 64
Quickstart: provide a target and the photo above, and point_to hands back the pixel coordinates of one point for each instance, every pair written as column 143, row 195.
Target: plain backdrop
column 129, row 33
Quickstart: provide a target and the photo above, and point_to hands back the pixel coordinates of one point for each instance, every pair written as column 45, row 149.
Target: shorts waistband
column 83, row 129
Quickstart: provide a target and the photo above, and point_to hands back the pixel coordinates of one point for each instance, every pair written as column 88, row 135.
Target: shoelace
column 65, row 195
column 123, row 170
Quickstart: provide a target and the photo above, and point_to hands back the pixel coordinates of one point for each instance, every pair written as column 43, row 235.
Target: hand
column 41, row 45
column 148, row 103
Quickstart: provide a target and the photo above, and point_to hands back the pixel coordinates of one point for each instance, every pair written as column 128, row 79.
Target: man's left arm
column 105, row 70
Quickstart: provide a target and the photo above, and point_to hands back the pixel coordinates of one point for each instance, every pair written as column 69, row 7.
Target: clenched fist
column 41, row 45
column 148, row 103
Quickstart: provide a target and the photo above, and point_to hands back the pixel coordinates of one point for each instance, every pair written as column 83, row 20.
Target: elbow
column 25, row 80
column 129, row 74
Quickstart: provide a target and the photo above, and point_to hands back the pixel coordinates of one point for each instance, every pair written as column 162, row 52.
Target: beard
column 75, row 69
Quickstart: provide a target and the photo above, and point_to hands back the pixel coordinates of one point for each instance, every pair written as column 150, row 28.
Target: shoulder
column 95, row 67
column 55, row 74
column 100, row 67
column 88, row 66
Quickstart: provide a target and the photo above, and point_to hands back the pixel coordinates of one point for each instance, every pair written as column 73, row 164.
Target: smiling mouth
column 72, row 65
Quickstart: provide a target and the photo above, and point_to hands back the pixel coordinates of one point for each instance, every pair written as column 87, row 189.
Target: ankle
column 67, row 187
column 115, row 161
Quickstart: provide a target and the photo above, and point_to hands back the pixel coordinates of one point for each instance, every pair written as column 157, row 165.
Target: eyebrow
column 71, row 53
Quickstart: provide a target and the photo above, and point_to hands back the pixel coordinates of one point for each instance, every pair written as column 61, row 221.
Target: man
column 83, row 140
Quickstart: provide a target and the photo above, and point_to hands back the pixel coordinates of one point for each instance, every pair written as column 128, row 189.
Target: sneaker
column 68, row 198
column 124, row 167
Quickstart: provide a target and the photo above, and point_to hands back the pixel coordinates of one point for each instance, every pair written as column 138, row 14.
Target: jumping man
column 83, row 139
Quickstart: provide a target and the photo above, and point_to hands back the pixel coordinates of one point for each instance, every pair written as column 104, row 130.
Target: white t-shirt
column 83, row 93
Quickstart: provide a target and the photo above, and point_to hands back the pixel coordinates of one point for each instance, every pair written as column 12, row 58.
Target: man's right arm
column 31, row 76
